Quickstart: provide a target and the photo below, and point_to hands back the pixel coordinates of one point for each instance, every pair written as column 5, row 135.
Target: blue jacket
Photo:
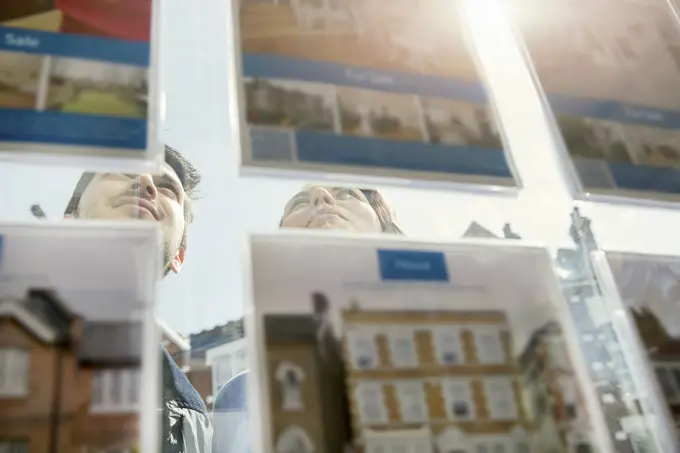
column 186, row 424
column 230, row 417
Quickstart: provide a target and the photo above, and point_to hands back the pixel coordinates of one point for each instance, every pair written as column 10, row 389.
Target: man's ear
column 177, row 261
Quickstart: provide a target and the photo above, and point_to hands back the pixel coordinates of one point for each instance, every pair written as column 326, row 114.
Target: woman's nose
column 320, row 195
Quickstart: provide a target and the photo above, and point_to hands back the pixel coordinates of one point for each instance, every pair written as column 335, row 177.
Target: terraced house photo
column 290, row 104
column 379, row 114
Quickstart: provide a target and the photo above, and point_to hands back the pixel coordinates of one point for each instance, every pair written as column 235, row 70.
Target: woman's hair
column 388, row 221
column 387, row 218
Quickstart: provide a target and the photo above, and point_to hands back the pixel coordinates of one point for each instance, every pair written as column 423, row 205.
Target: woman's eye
column 343, row 193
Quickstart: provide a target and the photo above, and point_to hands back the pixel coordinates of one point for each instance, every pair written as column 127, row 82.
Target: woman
column 339, row 208
column 334, row 208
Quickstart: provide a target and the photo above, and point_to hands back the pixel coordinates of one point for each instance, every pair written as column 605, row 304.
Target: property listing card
column 649, row 286
column 78, row 354
column 364, row 86
column 387, row 346
column 74, row 76
column 611, row 74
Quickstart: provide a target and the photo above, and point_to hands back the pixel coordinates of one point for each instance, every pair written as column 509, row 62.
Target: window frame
column 507, row 385
column 438, row 334
column 447, row 384
column 376, row 390
column 11, row 444
column 14, row 383
column 352, row 337
column 104, row 379
column 483, row 357
column 407, row 334
column 417, row 388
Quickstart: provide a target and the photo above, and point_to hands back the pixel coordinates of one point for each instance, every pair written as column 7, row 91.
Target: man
column 166, row 199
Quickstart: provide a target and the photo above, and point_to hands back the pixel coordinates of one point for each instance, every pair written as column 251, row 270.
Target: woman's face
column 332, row 208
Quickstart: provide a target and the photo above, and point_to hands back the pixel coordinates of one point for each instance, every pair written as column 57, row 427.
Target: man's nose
column 146, row 187
column 320, row 195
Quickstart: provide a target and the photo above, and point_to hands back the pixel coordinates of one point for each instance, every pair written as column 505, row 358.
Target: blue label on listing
column 412, row 265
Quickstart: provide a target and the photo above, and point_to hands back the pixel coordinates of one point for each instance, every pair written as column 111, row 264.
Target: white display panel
column 78, row 342
column 609, row 72
column 340, row 89
column 432, row 331
column 79, row 83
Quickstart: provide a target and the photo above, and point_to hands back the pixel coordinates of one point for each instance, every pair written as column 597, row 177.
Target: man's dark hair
column 188, row 175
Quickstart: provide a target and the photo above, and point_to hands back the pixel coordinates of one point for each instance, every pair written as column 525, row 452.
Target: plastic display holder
column 372, row 92
column 79, row 296
column 371, row 342
column 79, row 85
column 608, row 72
column 646, row 286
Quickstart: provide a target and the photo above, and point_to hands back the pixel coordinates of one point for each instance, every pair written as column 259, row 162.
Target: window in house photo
column 412, row 401
column 667, row 381
column 371, row 403
column 447, row 345
column 362, row 349
column 402, row 348
column 290, row 377
column 112, row 390
column 569, row 396
column 13, row 445
column 489, row 346
column 500, row 398
column 459, row 402
column 14, row 372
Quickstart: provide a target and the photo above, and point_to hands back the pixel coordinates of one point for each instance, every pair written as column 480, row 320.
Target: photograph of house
column 379, row 114
column 410, row 35
column 589, row 138
column 549, row 383
column 460, row 123
column 67, row 384
column 290, row 104
column 97, row 88
column 19, row 75
column 305, row 374
column 653, row 146
column 433, row 364
column 439, row 381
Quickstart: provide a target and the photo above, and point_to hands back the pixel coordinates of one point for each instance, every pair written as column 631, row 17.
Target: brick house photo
column 66, row 384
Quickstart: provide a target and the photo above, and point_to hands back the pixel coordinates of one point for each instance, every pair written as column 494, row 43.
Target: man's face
column 331, row 208
column 156, row 198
